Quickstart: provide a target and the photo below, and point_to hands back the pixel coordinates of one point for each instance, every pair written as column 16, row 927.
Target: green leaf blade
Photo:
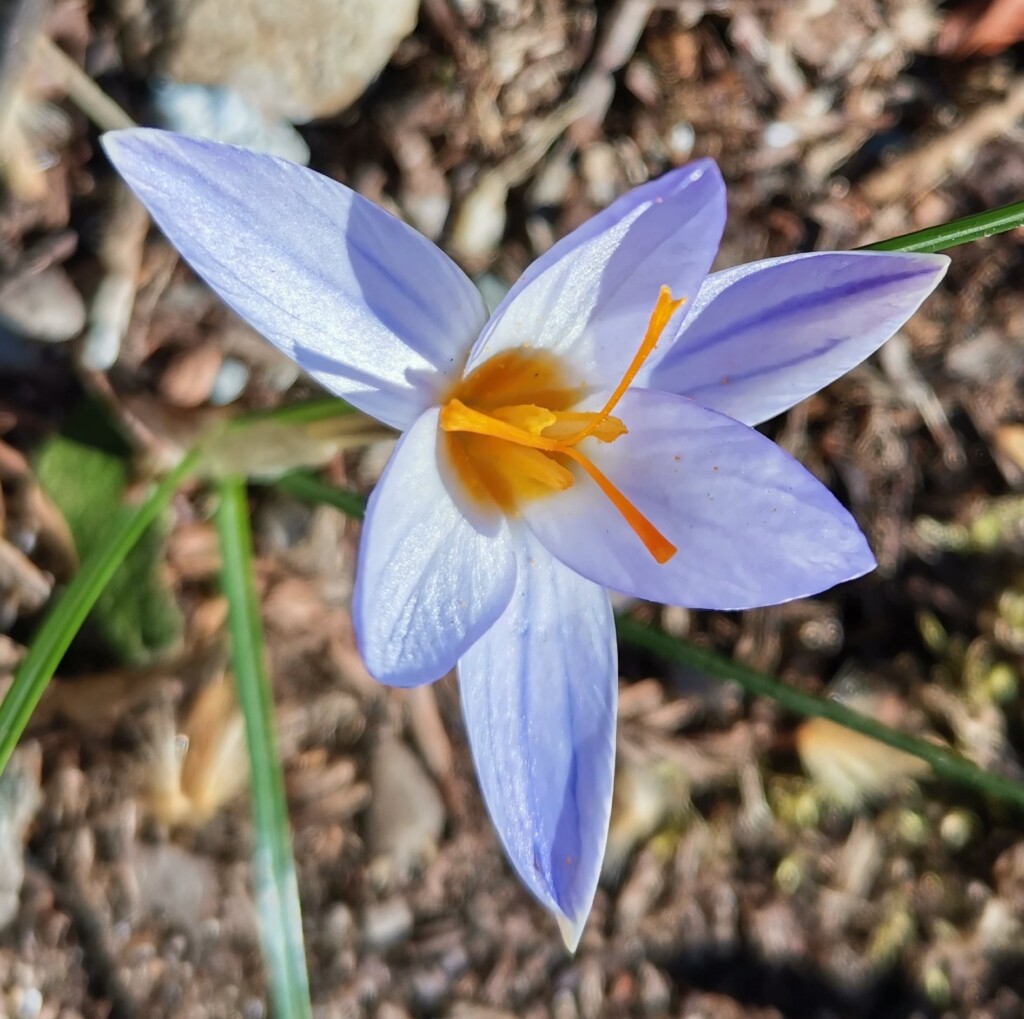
column 959, row 231
column 308, row 488
column 136, row 616
column 275, row 885
column 946, row 764
column 66, row 617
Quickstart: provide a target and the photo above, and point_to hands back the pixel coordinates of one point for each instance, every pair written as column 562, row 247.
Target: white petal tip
column 867, row 565
column 862, row 560
column 699, row 167
column 572, row 931
column 113, row 142
column 939, row 261
column 133, row 151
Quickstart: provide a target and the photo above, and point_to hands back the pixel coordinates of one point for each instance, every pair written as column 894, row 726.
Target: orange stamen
column 664, row 309
column 534, row 433
column 457, row 417
column 654, row 541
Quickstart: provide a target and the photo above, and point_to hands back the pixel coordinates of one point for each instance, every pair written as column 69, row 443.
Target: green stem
column 63, row 621
column 960, row 231
column 307, row 487
column 320, row 408
column 275, row 886
column 944, row 763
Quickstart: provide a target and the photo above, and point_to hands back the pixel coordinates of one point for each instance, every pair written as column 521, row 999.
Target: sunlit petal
column 429, row 582
column 370, row 308
column 538, row 695
column 765, row 335
column 752, row 526
column 589, row 297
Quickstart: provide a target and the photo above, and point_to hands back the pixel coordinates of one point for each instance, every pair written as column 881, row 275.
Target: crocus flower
column 594, row 432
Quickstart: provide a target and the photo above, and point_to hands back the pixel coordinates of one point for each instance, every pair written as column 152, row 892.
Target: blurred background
column 758, row 867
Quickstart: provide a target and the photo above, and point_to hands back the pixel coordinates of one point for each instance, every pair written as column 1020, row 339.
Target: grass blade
column 307, row 487
column 304, row 412
column 275, row 886
column 959, row 231
column 944, row 763
column 66, row 617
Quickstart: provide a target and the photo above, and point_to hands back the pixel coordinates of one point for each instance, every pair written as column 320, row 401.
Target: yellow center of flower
column 512, row 437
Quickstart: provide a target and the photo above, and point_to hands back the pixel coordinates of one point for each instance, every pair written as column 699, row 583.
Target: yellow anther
column 457, row 417
column 568, row 423
column 529, row 417
column 538, row 466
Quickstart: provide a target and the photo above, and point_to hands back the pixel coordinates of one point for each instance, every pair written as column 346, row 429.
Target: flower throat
column 512, row 437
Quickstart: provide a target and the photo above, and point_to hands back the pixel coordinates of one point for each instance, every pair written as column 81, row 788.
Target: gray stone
column 42, row 306
column 300, row 60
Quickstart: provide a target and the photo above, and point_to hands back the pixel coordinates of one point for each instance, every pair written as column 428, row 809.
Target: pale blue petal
column 752, row 526
column 763, row 336
column 588, row 299
column 370, row 308
column 429, row 583
column 538, row 695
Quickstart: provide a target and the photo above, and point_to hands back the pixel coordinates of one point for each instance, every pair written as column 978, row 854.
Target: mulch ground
column 745, row 879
